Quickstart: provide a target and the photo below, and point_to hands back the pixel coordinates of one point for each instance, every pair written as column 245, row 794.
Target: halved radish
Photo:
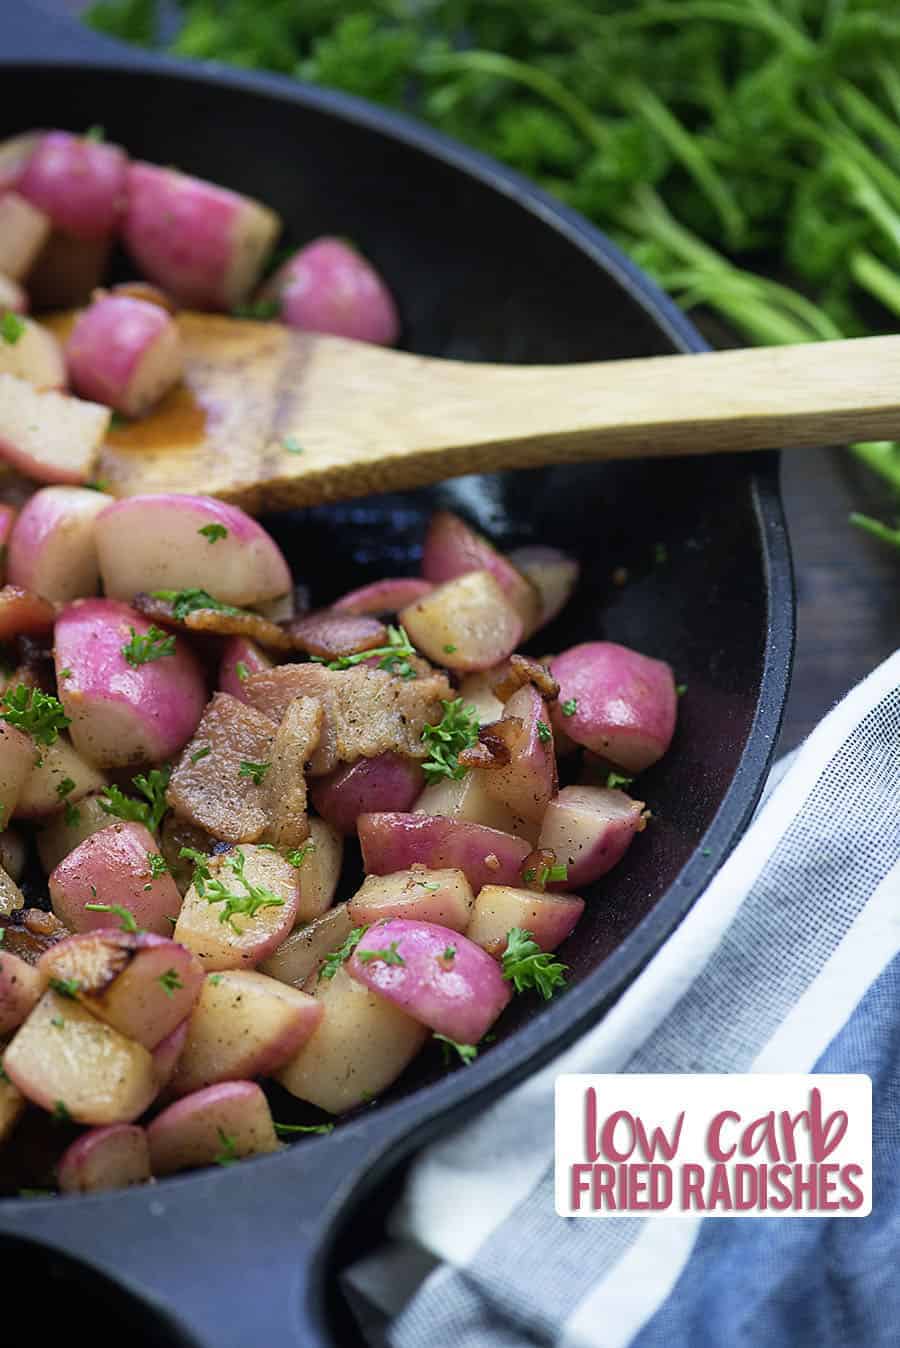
column 167, row 1052
column 105, row 1158
column 8, row 516
column 467, row 624
column 61, row 834
column 394, row 842
column 244, row 1025
column 477, row 690
column 15, row 153
column 67, row 1061
column 319, row 869
column 141, row 984
column 240, row 659
column 49, row 436
column 453, row 549
column 239, row 934
column 383, row 597
column 204, row 244
column 466, row 798
column 17, row 756
column 24, row 230
column 12, row 853
column 498, row 908
column 52, row 550
column 23, row 614
column 329, row 287
column 79, row 182
column 21, row 987
column 387, row 782
column 119, row 864
column 528, row 782
column 361, row 1046
column 57, row 781
column 124, row 712
column 433, row 974
column 219, row 1125
column 34, row 355
column 298, row 957
column 421, row 895
column 617, row 702
column 12, row 1107
column 590, row 828
column 554, row 573
column 167, row 541
column 124, row 352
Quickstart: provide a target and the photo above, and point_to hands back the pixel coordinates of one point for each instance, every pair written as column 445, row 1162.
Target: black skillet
column 484, row 267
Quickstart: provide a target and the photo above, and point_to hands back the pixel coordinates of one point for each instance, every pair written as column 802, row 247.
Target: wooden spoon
column 270, row 418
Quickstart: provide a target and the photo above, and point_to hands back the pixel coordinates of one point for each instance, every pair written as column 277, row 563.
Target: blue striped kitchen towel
column 790, row 962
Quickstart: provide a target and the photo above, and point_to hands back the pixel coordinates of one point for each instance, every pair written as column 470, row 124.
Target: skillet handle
column 225, row 1258
column 31, row 34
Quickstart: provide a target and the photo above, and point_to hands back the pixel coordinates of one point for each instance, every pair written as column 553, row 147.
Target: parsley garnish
column 283, row 1129
column 213, row 890
column 39, row 714
column 215, row 979
column 158, row 865
column 528, row 967
column 95, row 133
column 66, row 987
column 449, row 649
column 152, row 645
column 391, row 955
column 103, row 483
column 65, row 787
column 201, row 753
column 547, row 875
column 228, row 1155
column 60, row 1113
column 58, row 1023
column 189, row 601
column 449, row 953
column 259, row 309
column 11, row 327
column 467, row 1052
column 256, row 771
column 681, row 689
column 333, row 962
column 616, row 779
column 292, row 445
column 65, row 674
column 544, row 732
column 660, row 554
column 242, row 671
column 170, row 982
column 395, row 656
column 36, row 1193
column 71, row 814
column 125, row 916
column 299, row 854
column 213, row 532
column 569, row 707
column 457, row 730
column 148, row 811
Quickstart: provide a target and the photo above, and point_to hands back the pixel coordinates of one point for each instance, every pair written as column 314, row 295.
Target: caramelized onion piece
column 520, row 670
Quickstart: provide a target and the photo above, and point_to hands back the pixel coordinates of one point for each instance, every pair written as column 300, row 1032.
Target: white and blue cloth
column 790, row 962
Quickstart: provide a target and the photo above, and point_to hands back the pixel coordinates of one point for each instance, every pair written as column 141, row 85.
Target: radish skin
column 21, row 987
column 52, row 549
column 527, row 784
column 387, row 782
column 24, row 230
column 590, row 828
column 550, row 918
column 79, row 183
column 239, row 655
column 329, row 287
column 24, row 614
column 61, row 834
column 467, row 624
column 167, row 1053
column 230, row 1120
column 112, row 866
column 114, row 1157
column 444, row 897
column 625, row 703
column 35, row 356
column 394, row 842
column 49, row 436
column 452, row 549
column 125, row 353
column 383, row 597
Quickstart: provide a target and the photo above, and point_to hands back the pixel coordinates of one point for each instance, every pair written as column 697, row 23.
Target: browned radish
column 52, row 549
column 239, row 909
column 113, row 1157
column 34, row 354
column 24, row 230
column 17, row 756
column 62, row 833
column 393, row 842
column 590, row 828
column 61, row 778
column 21, row 986
column 498, row 908
column 453, row 549
column 298, row 957
column 23, row 613
column 467, row 799
column 526, row 785
column 118, row 864
column 387, row 782
column 218, row 1125
column 318, row 865
column 49, row 436
column 466, row 624
column 443, row 896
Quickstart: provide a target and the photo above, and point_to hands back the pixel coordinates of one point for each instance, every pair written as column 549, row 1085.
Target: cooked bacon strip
column 31, row 931
column 175, row 834
column 24, row 614
column 285, row 784
column 329, row 634
column 496, row 745
column 521, row 669
column 209, row 790
column 241, row 623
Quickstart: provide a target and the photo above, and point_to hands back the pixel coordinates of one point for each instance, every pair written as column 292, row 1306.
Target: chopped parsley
column 39, row 714
column 213, row 532
column 11, row 327
column 60, row 1113
column 292, row 445
column 390, row 955
column 215, row 979
column 336, row 958
column 395, row 656
column 449, row 953
column 95, row 133
column 189, row 601
column 681, row 689
column 547, row 875
column 457, row 730
column 103, row 483
column 255, row 771
column 242, row 671
column 201, row 753
column 65, row 787
column 125, row 916
column 228, row 1155
column 544, row 732
column 467, row 1052
column 58, row 1023
column 449, row 649
column 151, row 645
column 299, row 854
column 617, row 779
column 213, row 890
column 528, row 967
column 170, row 982
column 66, row 987
column 284, row 1129
column 569, row 707
column 148, row 811
column 158, row 865
column 64, row 674
column 259, row 309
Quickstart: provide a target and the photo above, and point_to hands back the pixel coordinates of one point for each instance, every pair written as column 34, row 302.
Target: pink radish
column 52, row 550
column 454, row 549
column 125, row 353
column 615, row 701
column 13, row 298
column 57, row 782
column 12, row 853
column 15, row 153
column 34, row 355
column 119, row 864
column 169, row 541
column 387, row 782
column 550, row 918
column 383, row 597
column 17, row 755
column 466, row 799
column 477, row 690
column 24, row 230
column 361, row 1046
column 141, row 984
column 49, row 436
column 527, row 784
column 329, row 287
column 72, row 1064
column 221, row 1124
column 123, row 712
column 299, row 956
column 240, row 659
column 244, row 1025
column 590, row 828
column 79, row 182
column 105, row 1158
column 468, row 623
column 23, row 614
column 61, row 833
column 394, row 842
column 222, row 939
column 433, row 974
column 21, row 987
column 554, row 573
column 167, row 1052
column 443, row 896
column 204, row 244
column 319, row 870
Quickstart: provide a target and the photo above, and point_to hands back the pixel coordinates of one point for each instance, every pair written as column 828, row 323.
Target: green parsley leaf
column 215, row 979
column 60, row 1113
column 617, row 779
column 103, row 484
column 256, row 771
column 449, row 649
column 241, row 671
column 71, row 814
column 152, row 645
column 258, row 309
column 333, row 961
column 189, row 601
column 64, row 674
column 11, row 327
column 528, row 967
column 544, row 732
column 391, row 955
column 285, row 1129
column 158, row 865
column 65, row 787
column 457, row 730
column 299, row 854
column 58, row 1023
column 660, row 554
column 449, row 953
column 201, row 753
column 213, row 532
column 395, row 656
column 170, row 982
column 569, row 707
column 148, row 811
column 214, row 890
column 95, row 133
column 228, row 1155
column 681, row 689
column 39, row 714
column 466, row 1052
column 125, row 916
column 66, row 987
column 292, row 445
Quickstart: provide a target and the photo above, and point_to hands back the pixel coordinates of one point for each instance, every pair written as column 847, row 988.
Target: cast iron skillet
column 484, row 267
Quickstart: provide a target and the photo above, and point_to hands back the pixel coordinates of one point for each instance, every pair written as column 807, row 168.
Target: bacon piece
column 240, row 623
column 520, row 670
column 496, row 745
column 31, row 931
column 329, row 634
column 295, row 741
column 209, row 789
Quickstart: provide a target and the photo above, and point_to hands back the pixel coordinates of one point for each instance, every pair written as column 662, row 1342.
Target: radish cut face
column 105, row 1158
column 218, row 1125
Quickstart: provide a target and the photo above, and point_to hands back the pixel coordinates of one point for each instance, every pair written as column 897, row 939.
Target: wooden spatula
column 270, row 418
